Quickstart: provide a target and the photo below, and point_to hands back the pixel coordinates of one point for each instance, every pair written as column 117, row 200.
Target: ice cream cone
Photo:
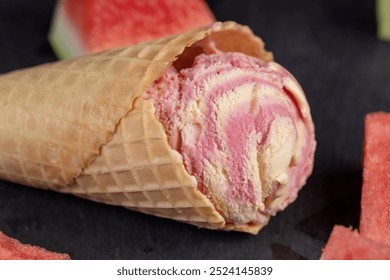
column 81, row 126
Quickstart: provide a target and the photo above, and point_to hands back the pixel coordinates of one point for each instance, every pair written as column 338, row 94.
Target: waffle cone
column 81, row 126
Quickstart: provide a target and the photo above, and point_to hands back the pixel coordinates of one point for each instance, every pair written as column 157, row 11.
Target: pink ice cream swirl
column 244, row 130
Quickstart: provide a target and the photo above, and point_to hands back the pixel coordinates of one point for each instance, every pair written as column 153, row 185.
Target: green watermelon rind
column 383, row 19
column 63, row 37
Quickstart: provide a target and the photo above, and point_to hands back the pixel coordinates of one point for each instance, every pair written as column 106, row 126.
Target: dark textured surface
column 330, row 47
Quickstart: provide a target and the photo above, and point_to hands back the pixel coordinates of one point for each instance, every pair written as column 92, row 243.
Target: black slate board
column 330, row 47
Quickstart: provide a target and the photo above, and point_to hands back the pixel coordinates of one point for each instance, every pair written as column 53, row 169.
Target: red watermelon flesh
column 96, row 25
column 12, row 249
column 375, row 205
column 347, row 244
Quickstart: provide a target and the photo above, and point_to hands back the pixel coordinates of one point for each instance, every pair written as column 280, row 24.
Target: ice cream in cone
column 93, row 127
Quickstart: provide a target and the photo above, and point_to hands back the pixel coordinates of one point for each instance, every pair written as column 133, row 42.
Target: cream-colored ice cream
column 244, row 130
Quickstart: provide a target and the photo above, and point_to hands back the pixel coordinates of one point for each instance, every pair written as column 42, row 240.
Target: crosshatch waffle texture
column 137, row 170
column 81, row 127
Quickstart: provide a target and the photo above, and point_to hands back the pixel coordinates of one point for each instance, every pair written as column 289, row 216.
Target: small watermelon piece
column 12, row 249
column 375, row 204
column 86, row 26
column 347, row 244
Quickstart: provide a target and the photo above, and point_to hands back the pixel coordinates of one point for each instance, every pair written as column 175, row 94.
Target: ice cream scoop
column 243, row 128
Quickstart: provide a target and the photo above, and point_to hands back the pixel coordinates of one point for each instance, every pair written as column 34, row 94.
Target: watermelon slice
column 85, row 26
column 12, row 249
column 347, row 244
column 375, row 205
